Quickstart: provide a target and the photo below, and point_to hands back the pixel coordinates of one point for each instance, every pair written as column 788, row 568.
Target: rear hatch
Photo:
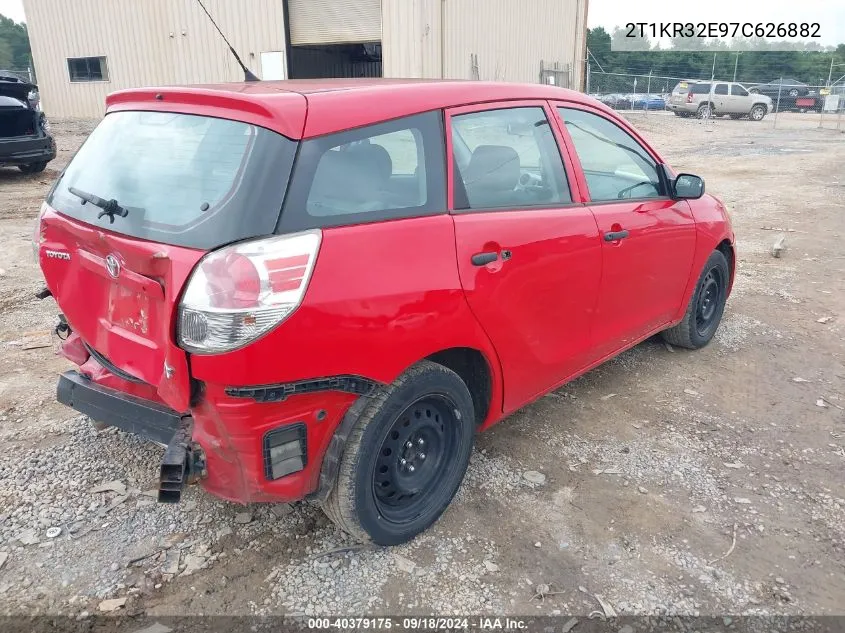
column 679, row 92
column 17, row 118
column 162, row 189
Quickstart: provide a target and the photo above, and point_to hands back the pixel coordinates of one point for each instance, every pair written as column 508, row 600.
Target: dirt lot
column 676, row 482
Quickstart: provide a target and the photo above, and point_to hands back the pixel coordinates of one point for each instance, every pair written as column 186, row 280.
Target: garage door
column 334, row 21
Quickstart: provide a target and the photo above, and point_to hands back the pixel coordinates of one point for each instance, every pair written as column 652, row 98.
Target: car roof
column 332, row 104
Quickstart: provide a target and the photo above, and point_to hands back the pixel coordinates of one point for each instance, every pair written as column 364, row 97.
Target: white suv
column 706, row 99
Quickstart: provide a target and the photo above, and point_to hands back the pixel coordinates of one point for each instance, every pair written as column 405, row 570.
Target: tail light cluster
column 689, row 97
column 238, row 293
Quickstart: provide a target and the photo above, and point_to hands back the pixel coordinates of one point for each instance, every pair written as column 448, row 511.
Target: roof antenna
column 248, row 76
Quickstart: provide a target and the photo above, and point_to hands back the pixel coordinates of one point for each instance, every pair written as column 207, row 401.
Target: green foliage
column 667, row 65
column 14, row 45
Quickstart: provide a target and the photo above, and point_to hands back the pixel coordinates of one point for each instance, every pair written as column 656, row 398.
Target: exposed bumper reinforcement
column 150, row 420
column 279, row 392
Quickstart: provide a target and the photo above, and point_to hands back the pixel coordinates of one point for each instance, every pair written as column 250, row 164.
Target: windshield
column 185, row 180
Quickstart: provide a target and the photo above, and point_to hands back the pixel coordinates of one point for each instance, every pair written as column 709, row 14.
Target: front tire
column 705, row 308
column 405, row 457
column 757, row 113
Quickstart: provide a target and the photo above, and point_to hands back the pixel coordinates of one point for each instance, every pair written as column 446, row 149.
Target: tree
column 14, row 44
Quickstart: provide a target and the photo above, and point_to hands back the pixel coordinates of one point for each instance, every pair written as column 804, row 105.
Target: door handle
column 613, row 236
column 482, row 259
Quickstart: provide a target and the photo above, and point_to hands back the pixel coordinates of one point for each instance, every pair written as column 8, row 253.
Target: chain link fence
column 779, row 102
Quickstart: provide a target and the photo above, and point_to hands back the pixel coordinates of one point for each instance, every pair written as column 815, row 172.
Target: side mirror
column 687, row 187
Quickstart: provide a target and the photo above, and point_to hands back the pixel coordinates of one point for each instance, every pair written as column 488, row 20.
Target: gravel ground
column 669, row 482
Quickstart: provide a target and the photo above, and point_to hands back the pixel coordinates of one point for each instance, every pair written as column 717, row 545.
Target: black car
column 25, row 139
column 787, row 89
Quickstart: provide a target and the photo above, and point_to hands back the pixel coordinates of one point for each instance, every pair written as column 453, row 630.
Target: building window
column 88, row 69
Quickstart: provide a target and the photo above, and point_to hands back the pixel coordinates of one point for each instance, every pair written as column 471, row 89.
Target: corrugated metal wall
column 334, row 21
column 410, row 42
column 498, row 40
column 154, row 42
column 160, row 42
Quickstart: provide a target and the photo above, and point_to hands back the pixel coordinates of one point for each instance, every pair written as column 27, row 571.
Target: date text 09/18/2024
column 421, row 623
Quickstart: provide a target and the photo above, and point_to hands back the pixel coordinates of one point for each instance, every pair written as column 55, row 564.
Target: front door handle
column 482, row 259
column 613, row 236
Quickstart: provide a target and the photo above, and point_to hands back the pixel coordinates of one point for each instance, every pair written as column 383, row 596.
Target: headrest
column 492, row 167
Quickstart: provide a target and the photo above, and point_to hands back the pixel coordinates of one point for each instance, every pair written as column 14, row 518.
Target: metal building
column 84, row 49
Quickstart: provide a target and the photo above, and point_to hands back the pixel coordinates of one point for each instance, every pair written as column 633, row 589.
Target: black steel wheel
column 706, row 306
column 710, row 297
column 405, row 457
column 414, row 457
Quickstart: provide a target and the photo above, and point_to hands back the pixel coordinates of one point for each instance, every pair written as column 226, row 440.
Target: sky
column 12, row 9
column 830, row 14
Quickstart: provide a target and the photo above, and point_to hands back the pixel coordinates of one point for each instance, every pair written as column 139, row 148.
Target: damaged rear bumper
column 150, row 420
column 183, row 461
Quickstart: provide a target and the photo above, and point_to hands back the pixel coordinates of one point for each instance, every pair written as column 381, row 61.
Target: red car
column 325, row 289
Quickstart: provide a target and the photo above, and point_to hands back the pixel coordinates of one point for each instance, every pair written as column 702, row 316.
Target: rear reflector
column 285, row 451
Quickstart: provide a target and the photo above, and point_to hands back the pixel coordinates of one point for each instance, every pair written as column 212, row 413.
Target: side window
column 384, row 171
column 738, row 91
column 721, row 89
column 507, row 158
column 615, row 165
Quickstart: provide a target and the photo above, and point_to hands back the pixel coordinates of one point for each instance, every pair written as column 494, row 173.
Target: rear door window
column 507, row 158
column 185, row 180
column 380, row 172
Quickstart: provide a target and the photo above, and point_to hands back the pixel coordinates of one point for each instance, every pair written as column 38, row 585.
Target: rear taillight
column 689, row 97
column 36, row 233
column 240, row 292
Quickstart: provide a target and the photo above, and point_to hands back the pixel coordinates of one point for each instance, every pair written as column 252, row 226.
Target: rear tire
column 405, row 457
column 705, row 111
column 33, row 168
column 705, row 308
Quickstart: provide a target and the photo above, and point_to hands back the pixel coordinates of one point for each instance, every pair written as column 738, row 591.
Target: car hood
column 16, row 89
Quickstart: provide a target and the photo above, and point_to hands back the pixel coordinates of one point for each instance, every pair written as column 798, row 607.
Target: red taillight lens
column 240, row 292
column 232, row 282
column 689, row 97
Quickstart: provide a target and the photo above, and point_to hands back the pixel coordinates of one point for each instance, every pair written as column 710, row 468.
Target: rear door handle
column 482, row 259
column 613, row 236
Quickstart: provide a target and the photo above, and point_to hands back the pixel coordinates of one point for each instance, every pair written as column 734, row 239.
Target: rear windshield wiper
column 110, row 208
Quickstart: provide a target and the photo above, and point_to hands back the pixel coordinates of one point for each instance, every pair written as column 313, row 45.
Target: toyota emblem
column 113, row 266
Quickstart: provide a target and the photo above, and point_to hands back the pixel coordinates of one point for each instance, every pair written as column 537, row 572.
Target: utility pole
column 830, row 72
column 587, row 87
column 736, row 63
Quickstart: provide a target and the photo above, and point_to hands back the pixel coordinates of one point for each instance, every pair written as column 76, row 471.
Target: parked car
column 25, row 139
column 649, row 102
column 707, row 99
column 785, row 88
column 290, row 286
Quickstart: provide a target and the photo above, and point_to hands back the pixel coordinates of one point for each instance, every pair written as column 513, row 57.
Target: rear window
column 385, row 171
column 700, row 89
column 186, row 180
column 681, row 87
